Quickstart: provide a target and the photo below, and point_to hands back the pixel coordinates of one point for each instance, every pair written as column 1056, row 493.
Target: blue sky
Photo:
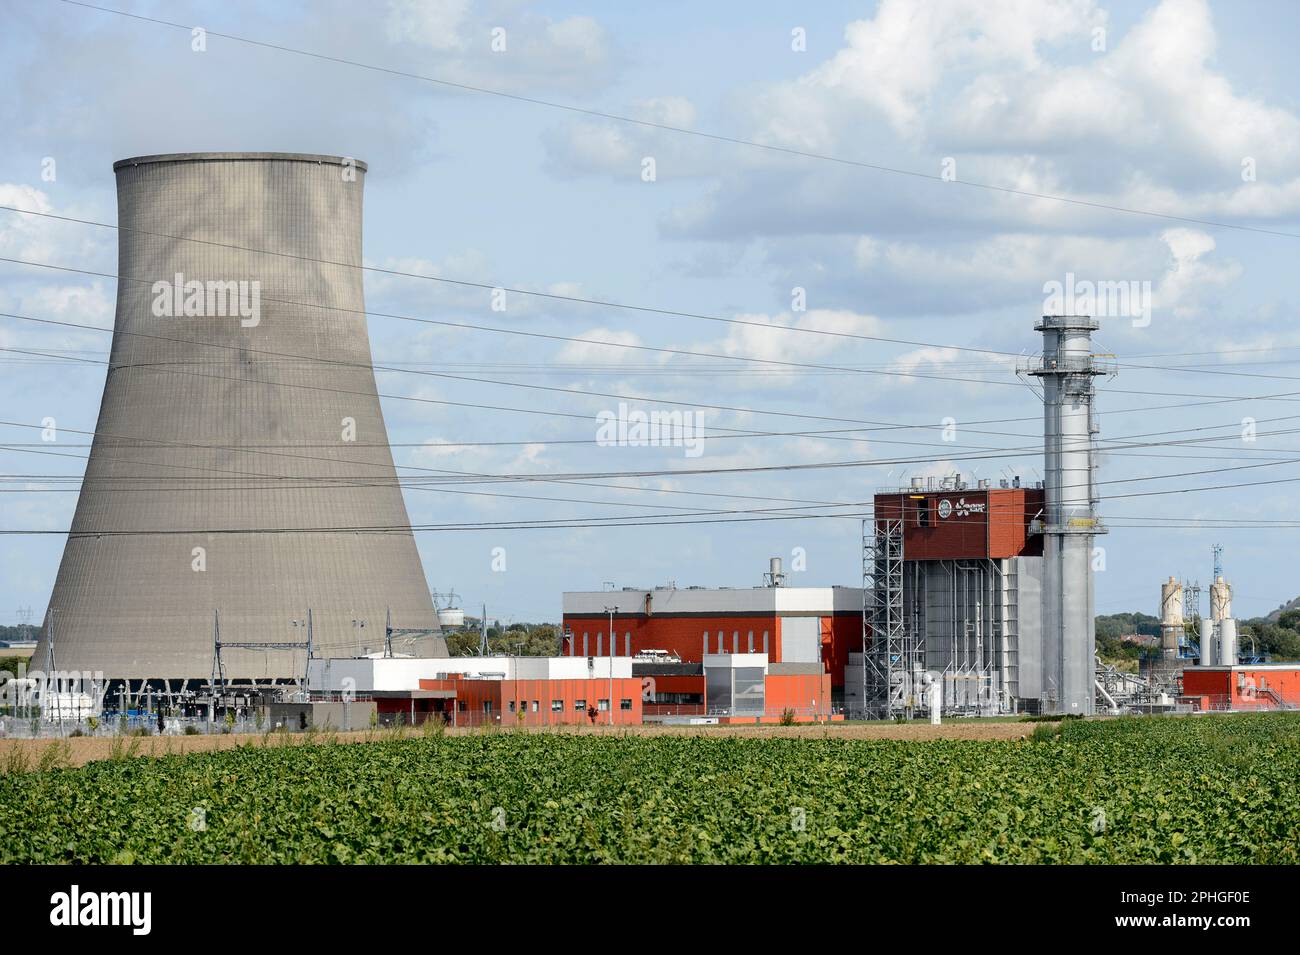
column 493, row 190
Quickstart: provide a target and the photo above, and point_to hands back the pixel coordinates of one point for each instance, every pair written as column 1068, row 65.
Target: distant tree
column 1289, row 620
column 1278, row 642
column 518, row 639
column 463, row 643
column 1118, row 624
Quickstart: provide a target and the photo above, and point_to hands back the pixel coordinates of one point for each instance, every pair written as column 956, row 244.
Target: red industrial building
column 543, row 702
column 789, row 624
column 478, row 691
column 956, row 584
column 980, row 523
column 799, row 636
column 1266, row 686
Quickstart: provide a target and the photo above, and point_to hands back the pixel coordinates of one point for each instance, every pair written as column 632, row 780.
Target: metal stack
column 1070, row 521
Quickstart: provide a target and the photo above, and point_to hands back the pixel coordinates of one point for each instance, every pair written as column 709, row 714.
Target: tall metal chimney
column 224, row 476
column 1069, row 629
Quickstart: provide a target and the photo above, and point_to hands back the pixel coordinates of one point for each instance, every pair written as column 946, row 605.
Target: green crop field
column 1156, row 790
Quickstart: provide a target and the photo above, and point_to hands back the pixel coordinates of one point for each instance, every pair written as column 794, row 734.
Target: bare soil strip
column 79, row 750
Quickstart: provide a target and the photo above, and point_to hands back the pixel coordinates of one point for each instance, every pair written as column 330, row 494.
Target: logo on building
column 962, row 507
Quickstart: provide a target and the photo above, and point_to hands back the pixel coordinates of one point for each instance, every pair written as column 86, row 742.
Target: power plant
column 987, row 592
column 240, row 500
column 953, row 594
column 240, row 534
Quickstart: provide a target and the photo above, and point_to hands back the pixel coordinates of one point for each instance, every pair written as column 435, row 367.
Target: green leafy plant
column 552, row 798
column 1044, row 732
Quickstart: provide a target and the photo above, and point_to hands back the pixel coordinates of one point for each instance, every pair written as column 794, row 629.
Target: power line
column 699, row 134
column 239, row 349
column 486, row 286
column 458, row 477
column 647, row 399
column 1211, row 399
column 539, row 335
column 802, row 369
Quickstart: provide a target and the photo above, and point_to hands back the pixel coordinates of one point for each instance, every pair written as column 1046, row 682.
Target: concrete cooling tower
column 240, row 463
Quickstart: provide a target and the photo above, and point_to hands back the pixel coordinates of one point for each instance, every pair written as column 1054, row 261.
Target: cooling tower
column 240, row 463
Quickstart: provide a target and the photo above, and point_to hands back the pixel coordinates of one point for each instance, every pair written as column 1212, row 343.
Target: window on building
column 534, row 706
column 487, row 706
column 462, row 705
column 512, row 706
column 923, row 514
column 603, row 706
column 557, row 706
column 625, row 704
column 580, row 705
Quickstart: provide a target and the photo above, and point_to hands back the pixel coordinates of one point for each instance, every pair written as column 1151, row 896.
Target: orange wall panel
column 1246, row 687
column 681, row 635
column 841, row 634
column 800, row 692
column 501, row 693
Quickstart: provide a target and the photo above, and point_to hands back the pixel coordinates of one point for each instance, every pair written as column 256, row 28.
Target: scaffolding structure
column 219, row 686
column 893, row 653
column 409, row 633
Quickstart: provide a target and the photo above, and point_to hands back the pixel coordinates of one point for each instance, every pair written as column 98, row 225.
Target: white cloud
column 584, row 353
column 775, row 344
column 604, row 147
column 436, row 24
column 1178, row 265
column 1016, row 96
column 895, row 63
column 1156, row 99
column 25, row 237
column 1191, row 273
column 539, row 52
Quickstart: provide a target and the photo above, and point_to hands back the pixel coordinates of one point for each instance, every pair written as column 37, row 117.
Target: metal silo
column 1220, row 599
column 1227, row 643
column 240, row 463
column 1171, row 617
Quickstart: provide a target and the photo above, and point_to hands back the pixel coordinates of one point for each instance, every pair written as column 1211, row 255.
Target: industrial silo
column 240, row 463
